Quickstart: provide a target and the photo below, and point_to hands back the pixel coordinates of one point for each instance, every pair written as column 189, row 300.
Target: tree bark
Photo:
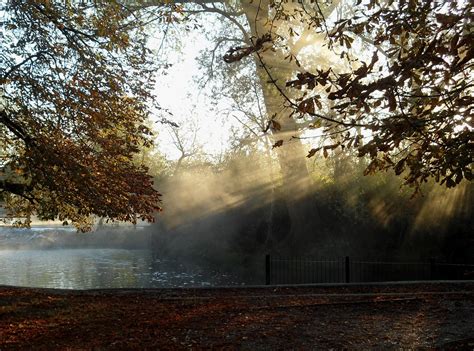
column 291, row 155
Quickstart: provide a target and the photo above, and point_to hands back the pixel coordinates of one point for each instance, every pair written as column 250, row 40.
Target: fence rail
column 310, row 270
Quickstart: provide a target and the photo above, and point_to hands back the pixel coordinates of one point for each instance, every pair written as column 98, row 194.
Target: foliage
column 75, row 93
column 408, row 105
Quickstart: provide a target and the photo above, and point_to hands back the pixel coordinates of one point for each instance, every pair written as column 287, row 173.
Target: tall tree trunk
column 292, row 154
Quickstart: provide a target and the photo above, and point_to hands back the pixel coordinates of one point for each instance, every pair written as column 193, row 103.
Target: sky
column 190, row 106
column 193, row 107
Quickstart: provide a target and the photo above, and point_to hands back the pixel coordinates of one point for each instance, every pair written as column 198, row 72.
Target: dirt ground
column 379, row 316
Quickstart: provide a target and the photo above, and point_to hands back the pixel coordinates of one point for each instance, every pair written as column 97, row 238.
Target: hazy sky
column 179, row 93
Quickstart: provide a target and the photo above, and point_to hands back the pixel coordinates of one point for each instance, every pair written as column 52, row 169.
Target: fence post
column 348, row 269
column 267, row 269
column 432, row 269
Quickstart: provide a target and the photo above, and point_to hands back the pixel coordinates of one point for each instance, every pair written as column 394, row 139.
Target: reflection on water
column 99, row 268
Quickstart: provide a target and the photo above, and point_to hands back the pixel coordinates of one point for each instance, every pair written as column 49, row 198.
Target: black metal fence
column 310, row 270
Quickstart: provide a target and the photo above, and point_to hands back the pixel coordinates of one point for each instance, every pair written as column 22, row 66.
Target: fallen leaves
column 173, row 319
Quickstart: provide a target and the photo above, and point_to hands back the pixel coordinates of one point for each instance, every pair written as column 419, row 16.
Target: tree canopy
column 401, row 92
column 77, row 77
column 76, row 81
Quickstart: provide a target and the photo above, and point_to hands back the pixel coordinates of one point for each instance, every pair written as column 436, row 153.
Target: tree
column 251, row 22
column 410, row 98
column 76, row 80
column 184, row 139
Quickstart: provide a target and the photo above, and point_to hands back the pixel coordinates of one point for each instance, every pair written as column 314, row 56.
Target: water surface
column 100, row 268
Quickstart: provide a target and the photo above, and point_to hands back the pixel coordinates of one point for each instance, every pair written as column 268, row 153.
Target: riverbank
column 376, row 316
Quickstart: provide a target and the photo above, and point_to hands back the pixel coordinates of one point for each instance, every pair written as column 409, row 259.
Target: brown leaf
column 312, row 152
column 277, row 144
column 306, row 106
column 450, row 183
column 400, row 166
column 318, row 103
column 392, row 103
column 275, row 125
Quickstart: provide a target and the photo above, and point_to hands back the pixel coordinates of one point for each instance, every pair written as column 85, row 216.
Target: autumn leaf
column 318, row 103
column 392, row 103
column 306, row 106
column 275, row 125
column 277, row 144
column 312, row 152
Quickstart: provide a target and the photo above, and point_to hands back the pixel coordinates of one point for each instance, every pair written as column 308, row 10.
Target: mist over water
column 232, row 217
column 108, row 258
column 219, row 223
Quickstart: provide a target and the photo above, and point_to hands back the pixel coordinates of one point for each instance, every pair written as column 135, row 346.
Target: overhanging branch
column 16, row 188
column 14, row 127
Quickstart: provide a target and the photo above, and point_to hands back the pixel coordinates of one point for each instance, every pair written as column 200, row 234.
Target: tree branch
column 292, row 104
column 15, row 188
column 14, row 127
column 28, row 59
